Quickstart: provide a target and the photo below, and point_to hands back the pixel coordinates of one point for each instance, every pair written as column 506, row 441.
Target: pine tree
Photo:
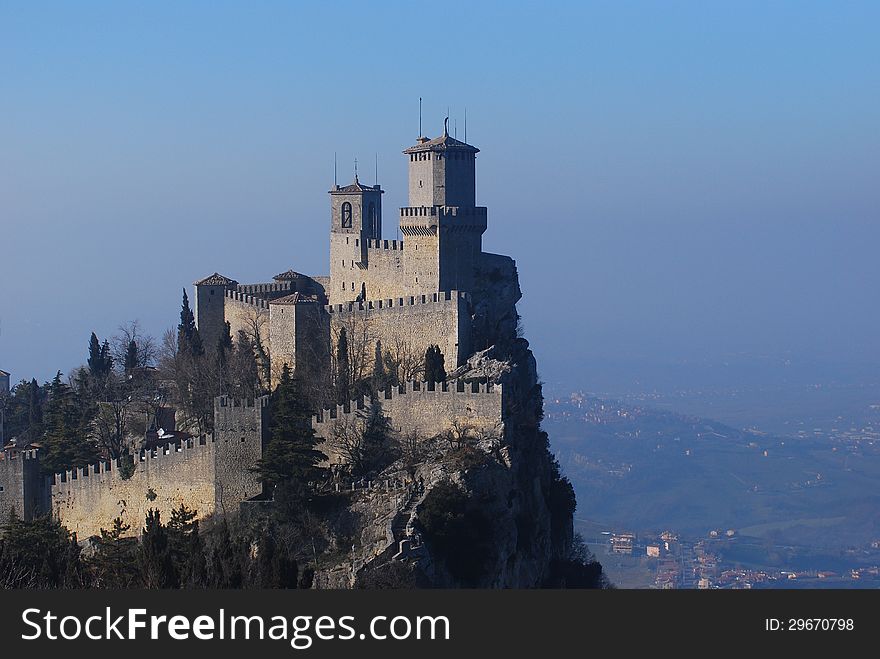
column 343, row 369
column 157, row 568
column 113, row 560
column 291, row 455
column 65, row 439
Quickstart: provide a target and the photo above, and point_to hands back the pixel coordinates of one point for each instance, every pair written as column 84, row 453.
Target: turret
column 355, row 218
column 442, row 226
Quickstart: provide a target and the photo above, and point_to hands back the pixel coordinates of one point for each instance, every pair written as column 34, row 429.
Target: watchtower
column 355, row 218
column 210, row 307
column 443, row 226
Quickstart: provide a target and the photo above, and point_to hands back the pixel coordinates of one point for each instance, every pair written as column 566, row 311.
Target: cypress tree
column 439, row 368
column 95, row 361
column 343, row 369
column 35, row 411
column 380, row 376
column 131, row 356
column 187, row 326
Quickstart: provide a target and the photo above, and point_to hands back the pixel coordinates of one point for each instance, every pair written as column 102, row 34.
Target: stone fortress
column 435, row 287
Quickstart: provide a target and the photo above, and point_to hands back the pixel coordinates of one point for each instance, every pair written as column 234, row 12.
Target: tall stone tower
column 443, row 226
column 355, row 218
column 209, row 307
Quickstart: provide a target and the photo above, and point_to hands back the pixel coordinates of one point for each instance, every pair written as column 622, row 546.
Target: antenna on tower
column 455, row 128
column 335, row 181
column 420, row 116
column 465, row 124
column 376, row 180
column 355, row 169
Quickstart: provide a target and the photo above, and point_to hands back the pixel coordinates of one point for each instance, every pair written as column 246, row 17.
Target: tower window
column 346, row 215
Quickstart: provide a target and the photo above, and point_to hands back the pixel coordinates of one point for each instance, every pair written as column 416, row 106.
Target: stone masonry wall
column 22, row 486
column 408, row 324
column 210, row 475
column 87, row 500
column 243, row 311
column 428, row 411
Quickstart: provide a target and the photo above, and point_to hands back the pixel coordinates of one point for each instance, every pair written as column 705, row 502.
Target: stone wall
column 22, row 486
column 210, row 475
column 426, row 409
column 87, row 500
column 407, row 325
column 246, row 312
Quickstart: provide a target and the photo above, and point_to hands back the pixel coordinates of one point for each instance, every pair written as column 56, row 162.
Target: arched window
column 346, row 215
column 371, row 214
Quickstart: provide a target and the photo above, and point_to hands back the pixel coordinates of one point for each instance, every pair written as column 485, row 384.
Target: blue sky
column 676, row 180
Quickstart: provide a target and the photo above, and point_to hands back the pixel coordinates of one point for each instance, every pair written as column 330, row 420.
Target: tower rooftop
column 356, row 187
column 216, row 280
column 442, row 143
column 296, row 298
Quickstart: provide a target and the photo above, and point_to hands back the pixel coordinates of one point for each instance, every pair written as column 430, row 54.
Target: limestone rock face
column 505, row 488
column 510, row 482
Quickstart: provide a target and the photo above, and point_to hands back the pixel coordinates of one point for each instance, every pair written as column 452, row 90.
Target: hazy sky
column 677, row 181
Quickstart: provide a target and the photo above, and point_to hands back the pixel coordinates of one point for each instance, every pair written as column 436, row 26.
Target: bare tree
column 361, row 344
column 147, row 350
column 405, row 357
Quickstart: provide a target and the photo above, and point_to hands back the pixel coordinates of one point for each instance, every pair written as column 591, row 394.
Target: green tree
column 100, row 362
column 155, row 559
column 114, row 558
column 291, row 456
column 434, row 365
column 65, row 437
column 131, row 356
column 187, row 548
column 38, row 554
column 188, row 339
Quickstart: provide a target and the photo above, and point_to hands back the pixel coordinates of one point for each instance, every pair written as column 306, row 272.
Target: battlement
column 444, row 211
column 266, row 289
column 248, row 299
column 407, row 301
column 27, row 454
column 417, row 390
column 113, row 466
column 373, row 243
column 226, row 401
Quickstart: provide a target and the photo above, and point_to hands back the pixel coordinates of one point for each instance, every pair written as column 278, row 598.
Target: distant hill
column 644, row 469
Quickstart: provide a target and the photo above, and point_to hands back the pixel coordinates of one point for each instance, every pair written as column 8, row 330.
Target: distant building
column 653, row 551
column 622, row 543
column 4, row 382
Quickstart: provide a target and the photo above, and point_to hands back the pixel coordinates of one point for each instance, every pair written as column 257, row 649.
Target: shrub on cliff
column 459, row 534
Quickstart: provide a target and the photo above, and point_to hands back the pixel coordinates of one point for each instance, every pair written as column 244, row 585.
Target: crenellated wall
column 210, row 475
column 410, row 323
column 427, row 409
column 247, row 312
